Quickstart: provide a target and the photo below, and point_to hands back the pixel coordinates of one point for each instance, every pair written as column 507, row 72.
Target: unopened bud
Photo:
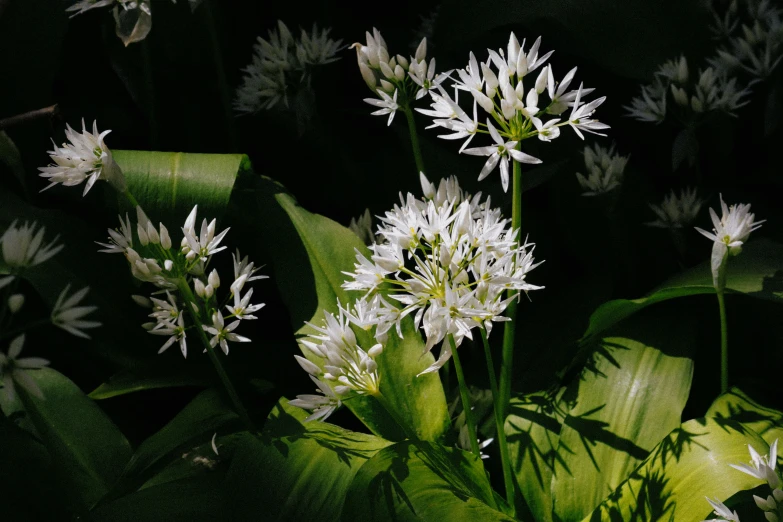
column 15, row 303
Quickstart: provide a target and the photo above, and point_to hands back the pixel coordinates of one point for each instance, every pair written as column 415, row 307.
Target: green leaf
column 86, row 447
column 309, row 273
column 421, row 481
column 533, row 431
column 302, row 475
column 735, row 405
column 691, row 463
column 152, row 374
column 619, row 415
column 170, row 183
column 207, row 414
column 755, row 272
column 9, row 155
column 189, row 500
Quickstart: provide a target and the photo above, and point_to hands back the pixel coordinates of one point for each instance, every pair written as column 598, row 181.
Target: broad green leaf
column 735, row 405
column 755, row 272
column 691, row 463
column 533, row 430
column 619, row 415
column 170, row 183
column 309, row 273
column 188, row 500
column 421, row 481
column 87, row 449
column 207, row 414
column 302, row 475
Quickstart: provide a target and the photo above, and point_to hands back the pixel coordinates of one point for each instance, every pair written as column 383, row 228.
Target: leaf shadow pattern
column 388, row 485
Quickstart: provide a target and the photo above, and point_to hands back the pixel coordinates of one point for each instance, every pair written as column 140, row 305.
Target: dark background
column 338, row 160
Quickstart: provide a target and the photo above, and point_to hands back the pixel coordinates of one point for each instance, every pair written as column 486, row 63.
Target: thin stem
column 46, row 112
column 724, row 344
column 499, row 423
column 25, row 327
column 463, row 393
column 190, row 300
column 414, row 139
column 507, row 362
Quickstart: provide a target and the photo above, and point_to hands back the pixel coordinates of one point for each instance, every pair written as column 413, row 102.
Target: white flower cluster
column 154, row 259
column 711, row 90
column 764, row 468
column 22, row 247
column 85, row 158
column 677, row 210
column 730, row 231
column 753, row 38
column 394, row 78
column 447, row 259
column 518, row 110
column 605, row 170
column 347, row 365
column 282, row 61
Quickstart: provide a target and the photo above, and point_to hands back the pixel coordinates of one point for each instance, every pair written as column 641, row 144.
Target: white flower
column 202, row 245
column 580, row 115
column 223, row 333
column 605, row 170
column 119, row 240
column 242, row 308
column 14, row 370
column 362, row 227
column 447, row 260
column 500, row 153
column 651, row 105
column 67, row 315
column 762, row 467
column 23, row 246
column 85, row 158
column 321, row 405
column 388, row 105
column 730, row 232
column 722, row 511
column 676, row 210
column 317, row 49
column 85, row 5
column 170, row 320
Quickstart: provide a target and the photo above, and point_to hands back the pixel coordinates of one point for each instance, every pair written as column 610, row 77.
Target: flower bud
column 143, row 238
column 214, row 279
column 308, row 366
column 421, row 50
column 152, row 234
column 375, row 351
column 541, row 81
column 168, row 264
column 15, row 303
column 342, row 390
column 200, row 289
column 142, row 301
column 165, row 239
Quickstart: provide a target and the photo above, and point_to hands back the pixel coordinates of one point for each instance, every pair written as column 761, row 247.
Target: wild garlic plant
column 187, row 299
column 763, row 467
column 605, row 170
column 282, row 65
column 22, row 247
column 729, row 233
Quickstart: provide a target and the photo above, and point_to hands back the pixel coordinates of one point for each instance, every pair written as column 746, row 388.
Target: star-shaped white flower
column 222, row 333
column 499, row 153
column 388, row 105
column 14, row 370
column 67, row 315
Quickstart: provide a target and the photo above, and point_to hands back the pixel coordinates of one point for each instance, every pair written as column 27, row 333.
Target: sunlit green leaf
column 691, row 463
column 737, row 406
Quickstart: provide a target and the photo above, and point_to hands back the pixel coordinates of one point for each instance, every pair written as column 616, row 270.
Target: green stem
column 724, row 344
column 507, row 362
column 190, row 300
column 25, row 327
column 414, row 139
column 499, row 423
column 217, row 59
column 463, row 393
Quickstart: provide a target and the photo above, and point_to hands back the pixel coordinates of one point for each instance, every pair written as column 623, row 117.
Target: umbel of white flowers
column 516, row 105
column 763, row 468
column 730, row 232
column 677, row 211
column 153, row 258
column 396, row 80
column 84, row 159
column 23, row 246
column 446, row 259
column 281, row 63
column 605, row 170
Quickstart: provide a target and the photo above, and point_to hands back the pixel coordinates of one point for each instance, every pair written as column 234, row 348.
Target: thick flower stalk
column 677, row 93
column 605, row 170
column 730, row 232
column 677, row 210
column 345, row 368
column 518, row 104
column 84, row 159
column 187, row 288
column 281, row 65
column 446, row 260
